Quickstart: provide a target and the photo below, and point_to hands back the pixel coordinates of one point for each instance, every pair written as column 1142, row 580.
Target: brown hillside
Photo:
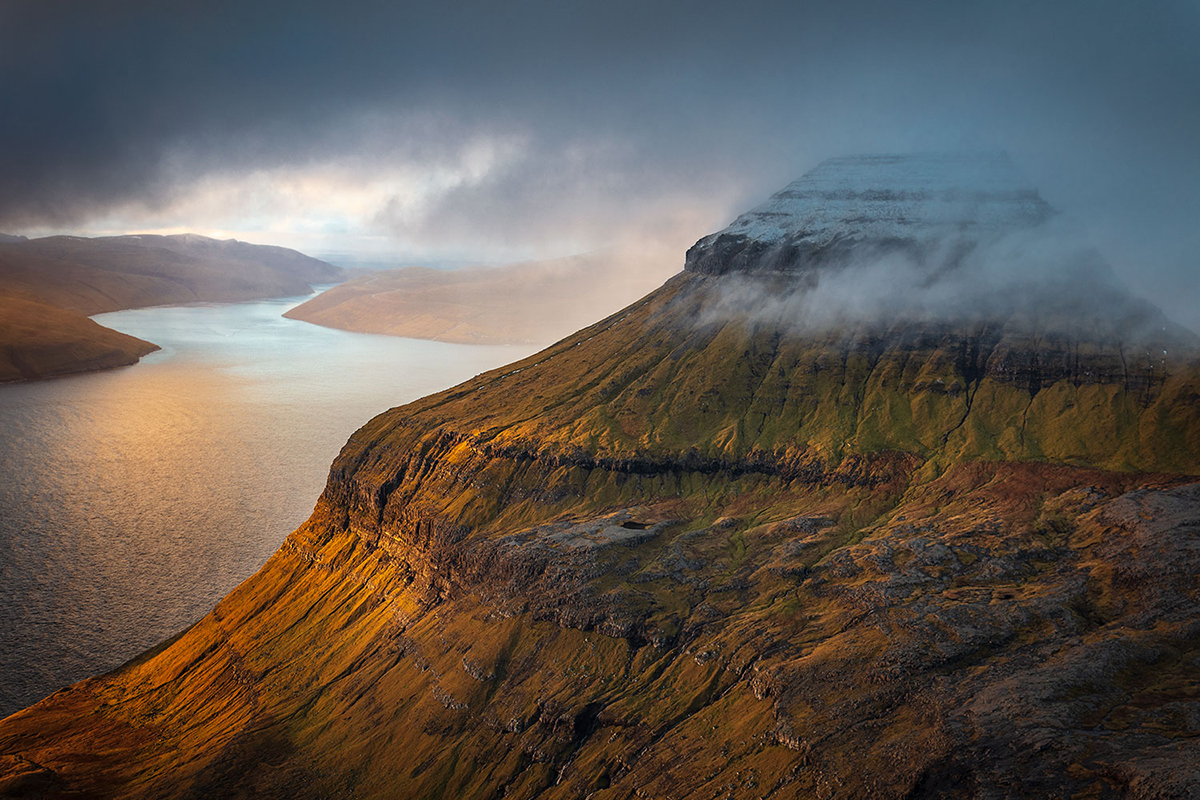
column 530, row 302
column 40, row 341
column 119, row 272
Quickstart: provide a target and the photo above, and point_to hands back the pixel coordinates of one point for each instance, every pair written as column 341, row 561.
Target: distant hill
column 58, row 281
column 539, row 301
column 119, row 272
column 38, row 340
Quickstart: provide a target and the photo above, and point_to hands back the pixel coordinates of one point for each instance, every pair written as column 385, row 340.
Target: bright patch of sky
column 342, row 205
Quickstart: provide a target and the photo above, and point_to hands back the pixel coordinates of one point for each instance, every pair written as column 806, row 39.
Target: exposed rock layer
column 671, row 560
column 860, row 207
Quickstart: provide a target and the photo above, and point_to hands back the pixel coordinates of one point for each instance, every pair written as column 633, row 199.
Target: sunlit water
column 132, row 500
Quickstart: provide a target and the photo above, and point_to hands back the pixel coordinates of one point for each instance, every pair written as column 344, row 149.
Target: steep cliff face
column 697, row 551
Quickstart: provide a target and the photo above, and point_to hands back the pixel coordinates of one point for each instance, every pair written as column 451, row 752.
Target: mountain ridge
column 96, row 275
column 865, row 206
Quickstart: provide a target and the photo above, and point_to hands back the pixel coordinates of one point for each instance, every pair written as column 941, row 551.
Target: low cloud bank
column 1045, row 281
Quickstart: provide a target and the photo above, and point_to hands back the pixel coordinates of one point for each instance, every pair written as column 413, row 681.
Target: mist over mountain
column 932, row 208
column 484, row 134
column 864, row 243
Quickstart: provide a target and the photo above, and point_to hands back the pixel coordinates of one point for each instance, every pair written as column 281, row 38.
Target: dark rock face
column 932, row 208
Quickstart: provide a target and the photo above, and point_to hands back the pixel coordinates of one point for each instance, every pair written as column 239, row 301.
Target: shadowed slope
column 119, row 272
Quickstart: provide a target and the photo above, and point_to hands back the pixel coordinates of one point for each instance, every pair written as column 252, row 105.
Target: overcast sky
column 491, row 131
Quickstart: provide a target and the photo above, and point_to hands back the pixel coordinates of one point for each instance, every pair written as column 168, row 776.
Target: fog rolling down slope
column 756, row 535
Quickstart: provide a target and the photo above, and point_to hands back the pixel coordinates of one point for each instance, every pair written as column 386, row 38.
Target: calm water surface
column 132, row 500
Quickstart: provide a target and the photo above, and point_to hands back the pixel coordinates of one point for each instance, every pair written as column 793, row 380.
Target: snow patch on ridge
column 918, row 201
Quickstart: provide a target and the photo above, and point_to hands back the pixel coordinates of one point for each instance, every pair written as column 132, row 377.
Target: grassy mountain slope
column 677, row 557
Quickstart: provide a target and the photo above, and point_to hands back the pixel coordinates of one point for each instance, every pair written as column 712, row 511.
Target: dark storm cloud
column 623, row 108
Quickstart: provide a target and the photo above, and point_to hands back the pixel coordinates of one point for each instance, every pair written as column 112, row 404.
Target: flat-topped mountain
column 863, row 206
column 72, row 277
column 702, row 548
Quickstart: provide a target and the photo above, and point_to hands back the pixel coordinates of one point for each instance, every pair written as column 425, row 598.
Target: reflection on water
column 131, row 501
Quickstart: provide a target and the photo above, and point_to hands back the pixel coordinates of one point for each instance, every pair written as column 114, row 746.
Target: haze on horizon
column 485, row 132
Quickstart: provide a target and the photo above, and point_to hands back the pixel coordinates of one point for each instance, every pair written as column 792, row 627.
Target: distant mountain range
column 49, row 286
